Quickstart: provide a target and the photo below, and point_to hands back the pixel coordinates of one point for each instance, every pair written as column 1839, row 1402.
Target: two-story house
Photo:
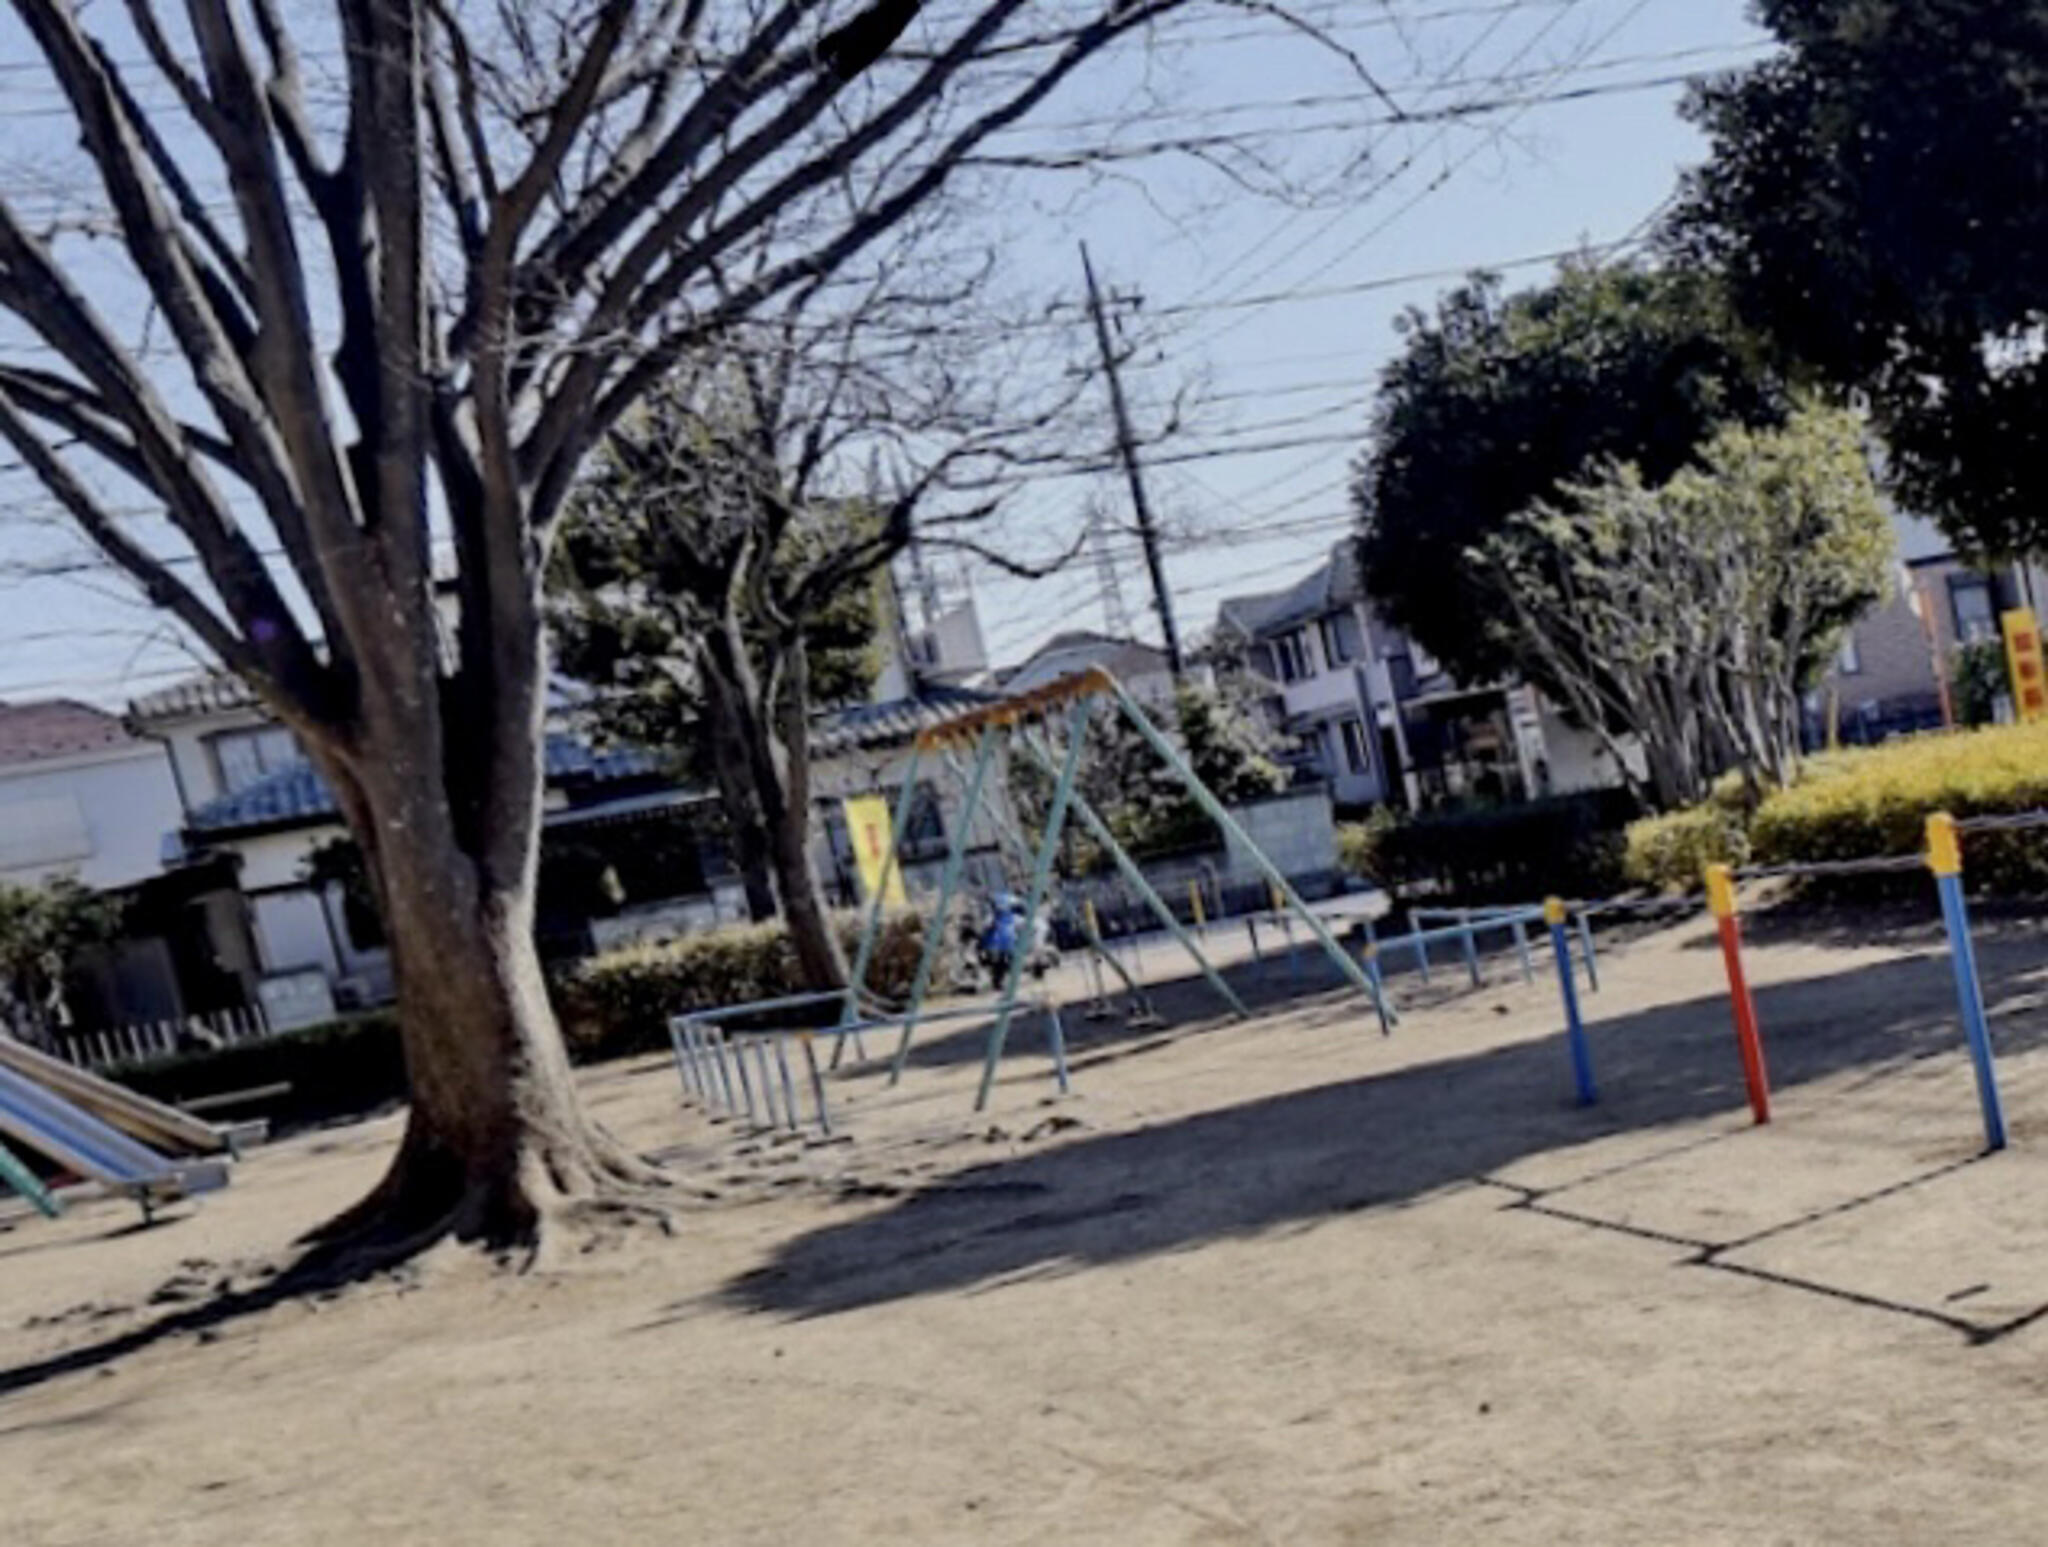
column 1371, row 712
column 82, row 796
column 1888, row 677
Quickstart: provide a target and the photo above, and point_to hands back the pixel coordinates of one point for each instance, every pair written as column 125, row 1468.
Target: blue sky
column 1272, row 317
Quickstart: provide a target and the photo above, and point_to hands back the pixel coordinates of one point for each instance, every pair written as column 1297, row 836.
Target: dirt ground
column 1283, row 1281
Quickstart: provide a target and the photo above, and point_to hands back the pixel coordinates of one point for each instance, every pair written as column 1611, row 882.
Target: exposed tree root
column 553, row 1195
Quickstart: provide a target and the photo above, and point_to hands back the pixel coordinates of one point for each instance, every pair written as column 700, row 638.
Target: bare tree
column 732, row 535
column 409, row 314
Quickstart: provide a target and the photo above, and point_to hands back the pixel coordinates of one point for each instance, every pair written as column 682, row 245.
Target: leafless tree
column 732, row 533
column 404, row 310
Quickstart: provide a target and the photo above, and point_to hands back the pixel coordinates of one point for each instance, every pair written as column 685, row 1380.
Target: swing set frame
column 1024, row 720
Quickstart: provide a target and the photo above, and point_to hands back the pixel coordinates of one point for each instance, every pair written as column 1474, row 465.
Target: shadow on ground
column 1370, row 1143
column 1187, row 1005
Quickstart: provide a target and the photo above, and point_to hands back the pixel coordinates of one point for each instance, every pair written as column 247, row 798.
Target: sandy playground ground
column 1279, row 1282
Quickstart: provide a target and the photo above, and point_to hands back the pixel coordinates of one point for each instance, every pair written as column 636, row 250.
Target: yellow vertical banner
column 2023, row 659
column 867, row 822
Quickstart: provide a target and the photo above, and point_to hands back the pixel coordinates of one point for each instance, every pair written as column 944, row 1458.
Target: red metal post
column 1721, row 898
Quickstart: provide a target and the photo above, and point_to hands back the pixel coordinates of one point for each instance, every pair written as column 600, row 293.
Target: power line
column 1442, row 178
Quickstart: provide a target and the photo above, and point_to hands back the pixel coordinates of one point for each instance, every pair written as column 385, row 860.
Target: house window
column 1290, row 652
column 1976, row 615
column 1357, row 754
column 1850, row 661
column 245, row 757
column 1340, row 636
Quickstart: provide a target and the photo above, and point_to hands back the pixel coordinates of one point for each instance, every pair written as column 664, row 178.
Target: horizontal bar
column 1040, row 1005
column 762, row 1006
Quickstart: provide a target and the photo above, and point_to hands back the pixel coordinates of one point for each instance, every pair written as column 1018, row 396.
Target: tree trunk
column 496, row 1143
column 776, row 793
column 820, row 957
column 752, row 853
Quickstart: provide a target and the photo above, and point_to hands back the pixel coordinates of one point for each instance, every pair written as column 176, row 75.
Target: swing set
column 1049, row 726
column 1026, row 724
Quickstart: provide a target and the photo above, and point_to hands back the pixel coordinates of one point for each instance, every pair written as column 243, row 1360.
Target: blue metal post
column 683, row 1058
column 789, row 1102
column 1522, row 950
column 1041, row 877
column 1944, row 858
column 817, row 1082
column 1575, row 1029
column 949, row 882
column 1056, row 1036
column 1379, row 987
column 715, row 1036
column 1421, row 947
column 1471, row 949
column 1586, row 950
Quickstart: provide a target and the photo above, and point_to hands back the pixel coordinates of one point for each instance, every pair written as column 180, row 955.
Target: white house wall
column 198, row 772
column 292, row 932
column 102, row 819
column 296, row 926
column 1578, row 761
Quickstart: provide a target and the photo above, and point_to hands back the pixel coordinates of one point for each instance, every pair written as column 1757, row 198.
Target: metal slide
column 41, row 1120
column 154, row 1123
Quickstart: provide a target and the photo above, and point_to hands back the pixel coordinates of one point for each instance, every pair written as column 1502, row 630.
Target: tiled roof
column 890, row 724
column 298, row 794
column 1065, row 654
column 35, row 733
column 213, row 693
column 223, row 692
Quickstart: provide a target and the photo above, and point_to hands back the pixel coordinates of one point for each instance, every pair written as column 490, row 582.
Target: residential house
column 618, row 838
column 1141, row 668
column 82, row 796
column 1370, row 712
column 1888, row 676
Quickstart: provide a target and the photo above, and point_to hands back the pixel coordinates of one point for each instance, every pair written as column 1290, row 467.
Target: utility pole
column 1127, row 449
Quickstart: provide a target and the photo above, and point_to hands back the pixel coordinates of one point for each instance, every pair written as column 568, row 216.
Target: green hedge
column 1567, row 845
column 619, row 1002
column 611, row 1006
column 338, row 1069
column 1360, row 845
column 1875, row 801
column 1669, row 853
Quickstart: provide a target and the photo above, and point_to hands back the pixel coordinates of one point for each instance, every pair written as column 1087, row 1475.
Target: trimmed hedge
column 1360, row 845
column 1568, row 845
column 1875, row 801
column 1669, row 853
column 337, row 1069
column 611, row 1006
column 618, row 1003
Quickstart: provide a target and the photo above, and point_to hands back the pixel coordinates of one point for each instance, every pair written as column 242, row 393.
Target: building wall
column 198, row 773
column 296, row 926
column 102, row 819
column 1892, row 659
column 1578, row 760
